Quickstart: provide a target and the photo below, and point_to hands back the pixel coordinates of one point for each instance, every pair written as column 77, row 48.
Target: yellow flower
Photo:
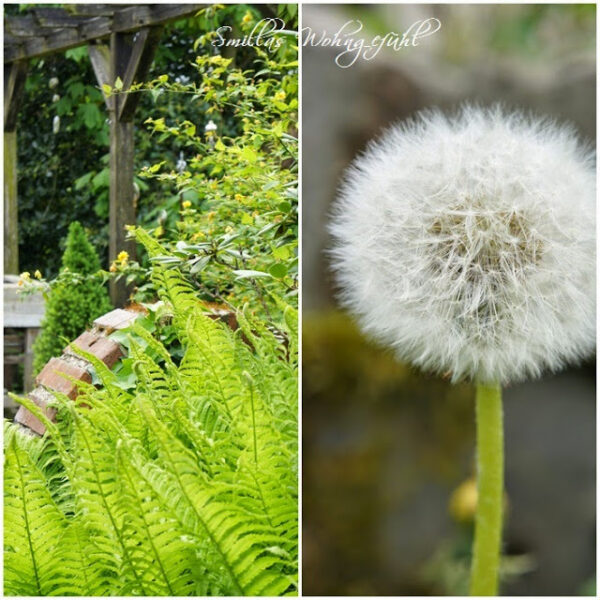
column 38, row 274
column 186, row 204
column 20, row 282
column 123, row 257
column 247, row 18
column 463, row 501
column 280, row 96
column 238, row 197
column 25, row 276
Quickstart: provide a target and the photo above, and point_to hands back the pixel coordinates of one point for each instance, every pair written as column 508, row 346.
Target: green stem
column 490, row 487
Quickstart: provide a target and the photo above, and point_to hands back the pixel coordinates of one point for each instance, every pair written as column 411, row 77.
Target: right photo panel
column 449, row 300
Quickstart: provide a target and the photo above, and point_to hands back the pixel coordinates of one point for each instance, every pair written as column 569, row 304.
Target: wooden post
column 11, row 215
column 129, row 59
column 15, row 75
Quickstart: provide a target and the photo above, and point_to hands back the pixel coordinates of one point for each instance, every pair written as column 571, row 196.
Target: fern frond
column 33, row 527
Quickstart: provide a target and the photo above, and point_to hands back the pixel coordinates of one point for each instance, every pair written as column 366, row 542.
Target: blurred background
column 388, row 488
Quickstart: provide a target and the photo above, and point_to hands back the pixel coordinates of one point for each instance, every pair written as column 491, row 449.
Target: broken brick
column 108, row 351
column 27, row 419
column 53, row 376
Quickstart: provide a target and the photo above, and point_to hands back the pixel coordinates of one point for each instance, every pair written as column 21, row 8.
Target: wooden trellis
column 122, row 40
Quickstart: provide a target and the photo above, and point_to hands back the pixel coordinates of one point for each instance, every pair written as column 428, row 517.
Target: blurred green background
column 388, row 452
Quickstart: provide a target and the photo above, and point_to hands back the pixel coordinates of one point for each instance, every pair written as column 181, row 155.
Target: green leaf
column 278, row 270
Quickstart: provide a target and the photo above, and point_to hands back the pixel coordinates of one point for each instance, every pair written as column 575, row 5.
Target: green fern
column 184, row 486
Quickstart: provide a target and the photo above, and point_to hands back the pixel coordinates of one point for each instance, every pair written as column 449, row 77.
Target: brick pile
column 62, row 374
column 54, row 377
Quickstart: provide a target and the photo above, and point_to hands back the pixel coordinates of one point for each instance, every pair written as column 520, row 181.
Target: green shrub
column 74, row 302
column 185, row 485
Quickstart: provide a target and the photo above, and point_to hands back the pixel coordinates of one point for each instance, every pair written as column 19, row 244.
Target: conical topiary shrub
column 70, row 307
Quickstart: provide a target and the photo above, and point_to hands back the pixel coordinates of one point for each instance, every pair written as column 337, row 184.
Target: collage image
column 299, row 300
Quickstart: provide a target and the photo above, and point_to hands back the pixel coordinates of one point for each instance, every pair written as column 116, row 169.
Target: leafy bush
column 230, row 220
column 75, row 300
column 185, row 485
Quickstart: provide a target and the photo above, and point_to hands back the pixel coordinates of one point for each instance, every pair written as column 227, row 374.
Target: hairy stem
column 490, row 487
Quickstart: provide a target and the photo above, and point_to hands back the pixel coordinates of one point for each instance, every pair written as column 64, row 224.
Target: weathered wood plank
column 145, row 44
column 15, row 75
column 57, row 18
column 26, row 26
column 100, row 58
column 122, row 209
column 121, row 205
column 122, row 20
column 95, row 10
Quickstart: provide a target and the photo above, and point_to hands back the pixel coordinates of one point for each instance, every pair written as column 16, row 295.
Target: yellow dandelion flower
column 123, row 257
column 186, row 204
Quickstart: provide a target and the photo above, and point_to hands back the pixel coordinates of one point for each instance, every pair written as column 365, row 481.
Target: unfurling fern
column 184, row 486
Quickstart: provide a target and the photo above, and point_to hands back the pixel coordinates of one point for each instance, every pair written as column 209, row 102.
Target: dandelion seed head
column 467, row 243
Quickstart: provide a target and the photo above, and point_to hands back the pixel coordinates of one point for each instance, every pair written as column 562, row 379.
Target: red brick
column 27, row 419
column 116, row 319
column 108, row 351
column 51, row 377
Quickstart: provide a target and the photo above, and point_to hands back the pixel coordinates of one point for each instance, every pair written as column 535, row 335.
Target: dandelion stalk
column 466, row 242
column 490, row 486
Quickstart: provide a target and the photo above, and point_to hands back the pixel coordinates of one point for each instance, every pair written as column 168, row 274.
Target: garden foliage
column 74, row 301
column 184, row 485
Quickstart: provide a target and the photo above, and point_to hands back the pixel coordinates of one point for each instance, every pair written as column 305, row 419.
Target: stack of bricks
column 57, row 373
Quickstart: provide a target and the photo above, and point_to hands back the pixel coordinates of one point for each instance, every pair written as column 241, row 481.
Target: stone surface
column 53, row 376
column 108, row 351
column 116, row 319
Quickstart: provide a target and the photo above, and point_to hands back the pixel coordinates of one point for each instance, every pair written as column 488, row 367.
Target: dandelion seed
column 468, row 243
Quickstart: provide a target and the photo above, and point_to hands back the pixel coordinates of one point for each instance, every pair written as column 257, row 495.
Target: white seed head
column 467, row 243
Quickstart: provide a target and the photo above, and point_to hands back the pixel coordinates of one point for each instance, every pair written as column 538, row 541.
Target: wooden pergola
column 122, row 40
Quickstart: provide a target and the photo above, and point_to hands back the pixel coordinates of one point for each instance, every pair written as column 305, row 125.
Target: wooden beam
column 100, row 58
column 23, row 26
column 121, row 205
column 95, row 10
column 15, row 75
column 58, row 17
column 145, row 44
column 122, row 209
column 117, row 20
column 11, row 215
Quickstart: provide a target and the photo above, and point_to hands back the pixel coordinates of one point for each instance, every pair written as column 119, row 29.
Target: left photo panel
column 151, row 300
